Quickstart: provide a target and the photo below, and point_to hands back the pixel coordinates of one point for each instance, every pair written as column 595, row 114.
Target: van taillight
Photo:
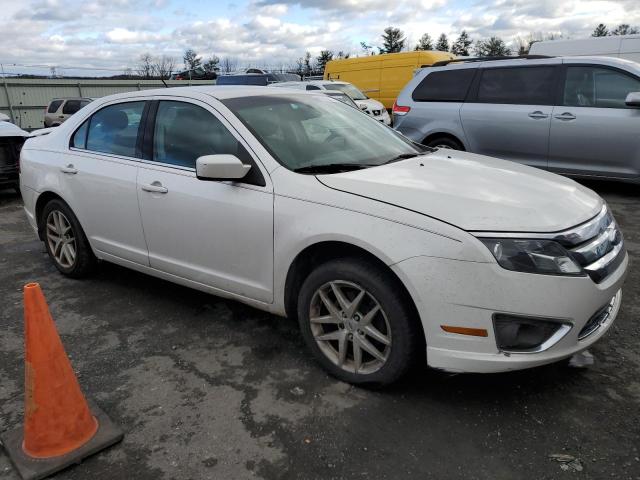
column 400, row 109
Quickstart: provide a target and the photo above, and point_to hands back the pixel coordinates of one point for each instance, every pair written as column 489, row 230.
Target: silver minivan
column 577, row 116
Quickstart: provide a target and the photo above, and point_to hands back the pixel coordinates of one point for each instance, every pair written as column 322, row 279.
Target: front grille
column 597, row 320
column 597, row 245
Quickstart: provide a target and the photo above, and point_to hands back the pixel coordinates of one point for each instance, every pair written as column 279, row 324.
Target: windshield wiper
column 332, row 168
column 404, row 156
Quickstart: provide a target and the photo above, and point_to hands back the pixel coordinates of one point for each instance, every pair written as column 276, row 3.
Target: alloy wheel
column 61, row 239
column 350, row 327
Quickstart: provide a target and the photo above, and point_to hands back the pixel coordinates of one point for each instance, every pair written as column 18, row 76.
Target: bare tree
column 228, row 64
column 212, row 64
column 163, row 66
column 145, row 66
column 128, row 72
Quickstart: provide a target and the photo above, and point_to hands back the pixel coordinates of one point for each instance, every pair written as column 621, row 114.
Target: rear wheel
column 445, row 142
column 65, row 240
column 357, row 323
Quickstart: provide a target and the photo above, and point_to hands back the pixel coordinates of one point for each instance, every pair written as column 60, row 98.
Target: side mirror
column 220, row 167
column 4, row 118
column 633, row 100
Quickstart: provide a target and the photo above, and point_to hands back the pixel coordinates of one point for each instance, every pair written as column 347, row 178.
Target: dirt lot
column 208, row 388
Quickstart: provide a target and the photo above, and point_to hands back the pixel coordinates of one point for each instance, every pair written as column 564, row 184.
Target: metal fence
column 24, row 100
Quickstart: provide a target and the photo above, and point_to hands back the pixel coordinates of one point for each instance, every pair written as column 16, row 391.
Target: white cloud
column 113, row 33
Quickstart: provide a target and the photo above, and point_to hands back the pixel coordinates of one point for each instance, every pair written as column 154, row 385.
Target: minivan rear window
column 517, row 85
column 445, row 86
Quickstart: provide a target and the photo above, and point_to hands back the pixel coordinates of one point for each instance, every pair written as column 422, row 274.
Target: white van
column 622, row 46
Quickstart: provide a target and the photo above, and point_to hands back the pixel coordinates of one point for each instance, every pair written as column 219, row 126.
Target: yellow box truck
column 382, row 77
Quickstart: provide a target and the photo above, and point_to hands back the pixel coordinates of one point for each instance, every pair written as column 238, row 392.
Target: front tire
column 445, row 142
column 358, row 323
column 66, row 243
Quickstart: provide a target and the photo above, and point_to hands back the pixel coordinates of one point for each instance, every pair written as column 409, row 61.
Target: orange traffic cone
column 60, row 427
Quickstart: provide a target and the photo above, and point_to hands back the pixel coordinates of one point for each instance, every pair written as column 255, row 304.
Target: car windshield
column 347, row 88
column 304, row 131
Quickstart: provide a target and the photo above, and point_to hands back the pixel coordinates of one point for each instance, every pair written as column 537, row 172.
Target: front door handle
column 155, row 187
column 538, row 114
column 60, row 116
column 70, row 169
column 565, row 116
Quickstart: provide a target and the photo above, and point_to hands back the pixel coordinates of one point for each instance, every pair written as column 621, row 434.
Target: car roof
column 509, row 62
column 222, row 92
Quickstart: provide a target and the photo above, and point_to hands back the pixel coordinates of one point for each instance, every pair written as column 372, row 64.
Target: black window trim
column 559, row 101
column 150, row 123
column 87, row 120
column 472, row 96
column 466, row 95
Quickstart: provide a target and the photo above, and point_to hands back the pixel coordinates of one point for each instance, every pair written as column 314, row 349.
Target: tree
column 624, row 29
column 425, row 42
column 366, row 47
column 228, row 64
column 494, row 47
column 600, row 31
column 392, row 40
column 191, row 60
column 322, row 59
column 443, row 43
column 145, row 66
column 462, row 45
column 341, row 54
column 163, row 66
column 307, row 64
column 212, row 64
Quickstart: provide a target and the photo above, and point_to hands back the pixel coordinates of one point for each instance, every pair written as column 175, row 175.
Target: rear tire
column 65, row 241
column 445, row 142
column 358, row 323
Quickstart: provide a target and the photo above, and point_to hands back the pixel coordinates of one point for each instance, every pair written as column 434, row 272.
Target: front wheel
column 445, row 142
column 358, row 324
column 65, row 240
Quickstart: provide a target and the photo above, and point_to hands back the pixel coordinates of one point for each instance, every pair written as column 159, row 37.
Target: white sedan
column 296, row 204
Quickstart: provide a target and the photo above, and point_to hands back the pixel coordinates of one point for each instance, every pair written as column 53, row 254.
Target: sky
column 112, row 34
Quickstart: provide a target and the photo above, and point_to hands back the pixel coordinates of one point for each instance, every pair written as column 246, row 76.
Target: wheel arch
column 42, row 200
column 321, row 252
column 449, row 135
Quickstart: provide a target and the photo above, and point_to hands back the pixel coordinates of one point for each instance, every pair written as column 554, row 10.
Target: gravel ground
column 209, row 388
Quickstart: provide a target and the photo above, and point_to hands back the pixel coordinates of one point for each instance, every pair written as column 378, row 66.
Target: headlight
column 532, row 256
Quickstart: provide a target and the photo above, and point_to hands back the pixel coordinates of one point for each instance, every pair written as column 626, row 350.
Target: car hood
column 474, row 192
column 370, row 103
column 10, row 130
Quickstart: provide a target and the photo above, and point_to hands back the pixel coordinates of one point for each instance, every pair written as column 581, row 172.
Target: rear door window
column 114, row 129
column 588, row 86
column 71, row 107
column 517, row 85
column 53, row 106
column 445, row 86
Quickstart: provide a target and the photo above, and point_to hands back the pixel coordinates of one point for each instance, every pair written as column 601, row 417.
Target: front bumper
column 452, row 292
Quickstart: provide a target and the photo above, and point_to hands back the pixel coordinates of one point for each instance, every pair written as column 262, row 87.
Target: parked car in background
column 573, row 115
column 371, row 107
column 194, row 74
column 620, row 46
column 386, row 252
column 341, row 97
column 382, row 77
column 11, row 140
column 260, row 79
column 60, row 109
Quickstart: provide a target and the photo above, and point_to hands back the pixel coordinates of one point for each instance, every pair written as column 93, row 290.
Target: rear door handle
column 538, row 114
column 565, row 116
column 155, row 187
column 70, row 169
